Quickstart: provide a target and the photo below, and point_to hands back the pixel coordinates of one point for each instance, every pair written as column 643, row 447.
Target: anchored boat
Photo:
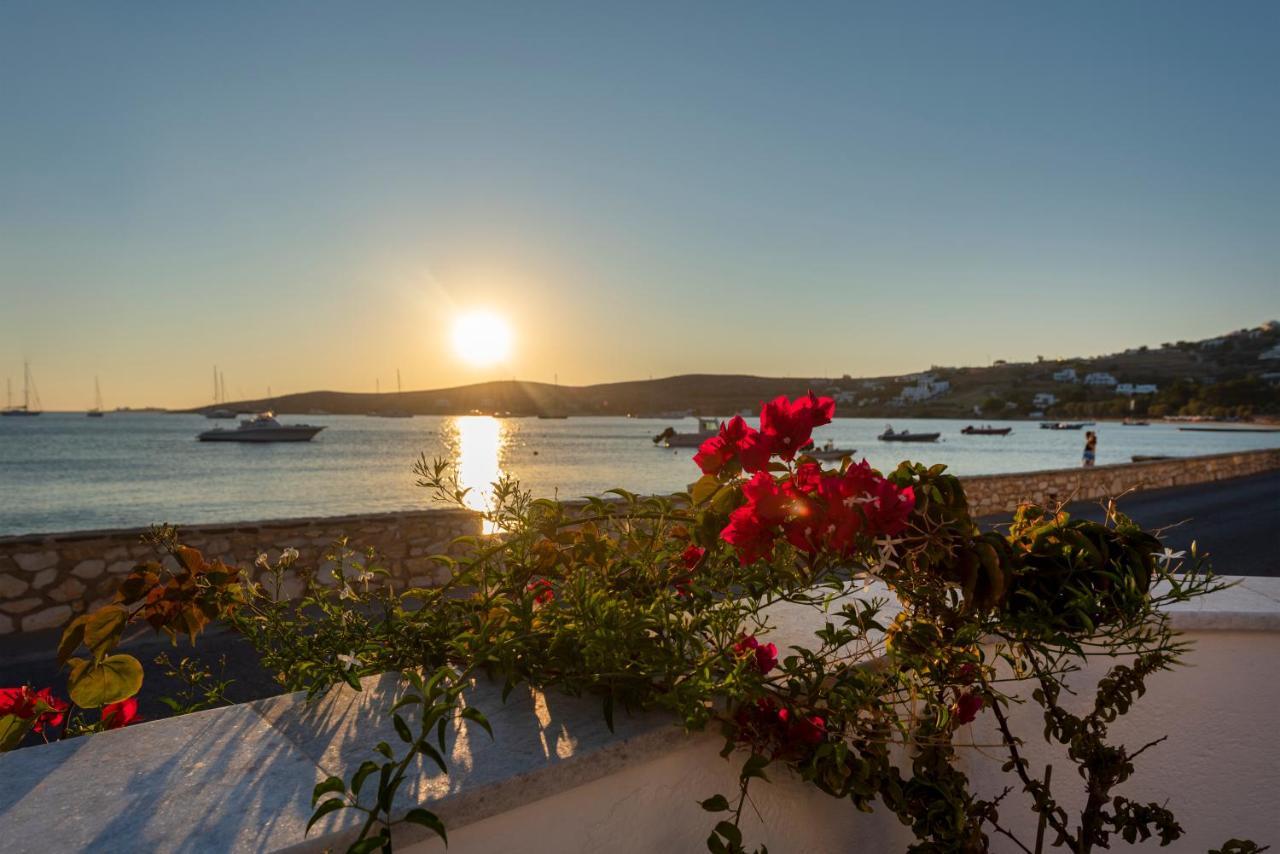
column 891, row 435
column 828, row 452
column 30, row 398
column 669, row 438
column 986, row 431
column 263, row 428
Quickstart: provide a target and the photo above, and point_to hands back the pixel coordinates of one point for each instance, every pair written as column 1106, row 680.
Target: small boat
column 891, row 435
column 1230, row 429
column 549, row 417
column 1149, row 458
column 1060, row 425
column 669, row 438
column 828, row 452
column 30, row 398
column 1129, row 422
column 986, row 431
column 394, row 413
column 220, row 413
column 96, row 412
column 263, row 428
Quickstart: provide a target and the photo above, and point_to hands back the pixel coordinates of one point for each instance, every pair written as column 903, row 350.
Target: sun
column 481, row 338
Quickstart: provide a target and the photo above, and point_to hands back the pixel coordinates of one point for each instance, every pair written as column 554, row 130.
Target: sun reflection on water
column 481, row 440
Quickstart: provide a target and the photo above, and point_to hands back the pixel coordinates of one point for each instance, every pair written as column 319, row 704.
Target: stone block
column 44, row 578
column 36, row 561
column 89, row 568
column 6, row 625
column 47, row 619
column 69, row 589
column 11, row 586
column 120, row 567
column 20, row 606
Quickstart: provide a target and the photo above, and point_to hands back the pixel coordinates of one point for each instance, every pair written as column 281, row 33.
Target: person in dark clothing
column 1090, row 448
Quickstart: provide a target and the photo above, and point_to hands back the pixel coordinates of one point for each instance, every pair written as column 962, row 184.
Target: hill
column 1233, row 375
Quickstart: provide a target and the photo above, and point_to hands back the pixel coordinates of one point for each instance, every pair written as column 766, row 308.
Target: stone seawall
column 45, row 579
column 1002, row 493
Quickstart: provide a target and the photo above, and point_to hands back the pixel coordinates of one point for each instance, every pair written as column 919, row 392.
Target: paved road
column 1238, row 521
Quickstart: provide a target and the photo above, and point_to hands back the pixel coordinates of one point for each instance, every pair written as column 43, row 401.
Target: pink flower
column 117, row 715
column 542, row 591
column 788, row 425
column 966, row 708
column 765, row 655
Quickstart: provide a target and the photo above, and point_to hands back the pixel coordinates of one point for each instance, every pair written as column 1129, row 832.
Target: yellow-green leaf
column 12, row 730
column 93, row 685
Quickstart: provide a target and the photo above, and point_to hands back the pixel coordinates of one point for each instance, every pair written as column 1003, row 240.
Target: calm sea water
column 63, row 472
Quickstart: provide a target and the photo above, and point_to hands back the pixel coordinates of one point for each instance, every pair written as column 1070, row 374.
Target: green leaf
column 402, row 729
column 115, row 678
column 474, row 714
column 367, row 845
column 72, row 636
column 103, row 629
column 323, row 810
column 718, row 803
column 704, row 488
column 385, row 749
column 608, row 711
column 730, row 832
column 366, row 768
column 754, row 767
column 333, row 784
column 13, row 729
column 429, row 820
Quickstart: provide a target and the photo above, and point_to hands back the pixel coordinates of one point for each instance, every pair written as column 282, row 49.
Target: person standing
column 1090, row 448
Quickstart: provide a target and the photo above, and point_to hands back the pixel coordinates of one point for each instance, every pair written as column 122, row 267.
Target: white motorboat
column 263, row 428
column 669, row 438
column 828, row 452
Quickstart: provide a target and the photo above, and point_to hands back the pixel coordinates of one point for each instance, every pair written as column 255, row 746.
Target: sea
column 64, row 472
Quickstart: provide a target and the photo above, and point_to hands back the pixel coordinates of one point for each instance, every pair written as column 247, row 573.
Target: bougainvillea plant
column 926, row 624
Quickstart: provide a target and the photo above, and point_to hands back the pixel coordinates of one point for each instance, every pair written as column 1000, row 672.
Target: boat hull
column 278, row 434
column 909, row 437
column 18, row 413
column 1002, row 431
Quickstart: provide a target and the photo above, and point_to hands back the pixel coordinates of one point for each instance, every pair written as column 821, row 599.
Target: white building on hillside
column 1130, row 389
column 926, row 387
column 1044, row 399
column 1066, row 375
column 1273, row 353
column 1099, row 378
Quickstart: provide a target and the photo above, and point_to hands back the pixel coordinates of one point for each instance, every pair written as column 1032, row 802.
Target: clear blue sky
column 307, row 193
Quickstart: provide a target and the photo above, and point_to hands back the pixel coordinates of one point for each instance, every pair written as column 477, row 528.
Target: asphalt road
column 1237, row 522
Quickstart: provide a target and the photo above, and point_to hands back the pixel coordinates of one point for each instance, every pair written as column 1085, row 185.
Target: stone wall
column 1002, row 493
column 45, row 579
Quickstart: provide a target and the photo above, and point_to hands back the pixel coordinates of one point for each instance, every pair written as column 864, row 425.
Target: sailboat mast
column 398, row 389
column 26, row 385
column 215, row 385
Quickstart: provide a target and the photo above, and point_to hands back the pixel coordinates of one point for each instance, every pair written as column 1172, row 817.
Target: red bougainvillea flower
column 116, row 715
column 542, row 591
column 788, row 425
column 966, row 707
column 801, row 729
column 889, row 508
column 42, row 705
column 735, row 441
column 692, row 556
column 765, row 656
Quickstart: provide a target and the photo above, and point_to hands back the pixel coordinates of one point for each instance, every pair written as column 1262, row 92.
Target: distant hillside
column 1235, row 374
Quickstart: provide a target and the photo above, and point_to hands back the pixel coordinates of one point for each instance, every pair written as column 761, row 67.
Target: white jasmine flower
column 1168, row 556
column 349, row 662
column 347, row 593
column 262, row 561
column 365, row 576
column 290, row 554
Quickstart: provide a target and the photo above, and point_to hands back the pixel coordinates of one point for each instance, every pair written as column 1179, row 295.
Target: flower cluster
column 786, row 427
column 41, row 706
column 543, row 592
column 121, row 714
column 763, row 656
column 776, row 731
column 815, row 510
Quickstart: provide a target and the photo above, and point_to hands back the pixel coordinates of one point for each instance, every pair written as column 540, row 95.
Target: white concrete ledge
column 240, row 778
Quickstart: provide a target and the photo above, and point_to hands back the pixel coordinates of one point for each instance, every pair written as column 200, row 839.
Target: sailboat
column 96, row 412
column 396, row 413
column 219, row 397
column 30, row 397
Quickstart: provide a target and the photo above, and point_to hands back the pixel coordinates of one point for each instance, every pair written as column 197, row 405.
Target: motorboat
column 1129, row 422
column 669, row 438
column 262, row 428
column 828, row 452
column 891, row 435
column 986, row 431
column 1060, row 425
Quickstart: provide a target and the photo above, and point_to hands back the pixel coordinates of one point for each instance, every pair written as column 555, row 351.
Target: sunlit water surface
column 62, row 472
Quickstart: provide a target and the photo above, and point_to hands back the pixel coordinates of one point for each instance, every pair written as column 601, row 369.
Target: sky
column 307, row 195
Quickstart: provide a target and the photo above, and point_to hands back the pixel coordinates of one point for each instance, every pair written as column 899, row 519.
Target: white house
column 925, row 388
column 1099, row 378
column 1130, row 389
column 1273, row 353
column 844, row 396
column 1044, row 399
column 1066, row 375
